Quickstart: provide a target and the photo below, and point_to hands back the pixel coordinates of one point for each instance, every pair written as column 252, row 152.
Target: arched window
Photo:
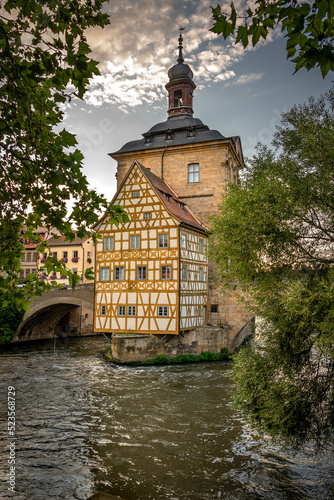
column 177, row 98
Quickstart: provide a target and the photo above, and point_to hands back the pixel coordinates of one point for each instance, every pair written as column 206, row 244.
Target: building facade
column 152, row 272
column 30, row 256
column 198, row 163
column 78, row 255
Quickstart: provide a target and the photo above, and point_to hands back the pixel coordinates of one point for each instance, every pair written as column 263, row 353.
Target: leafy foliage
column 10, row 318
column 308, row 28
column 274, row 237
column 44, row 63
column 161, row 359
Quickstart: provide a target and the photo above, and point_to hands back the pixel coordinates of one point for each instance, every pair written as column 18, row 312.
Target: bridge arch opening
column 44, row 323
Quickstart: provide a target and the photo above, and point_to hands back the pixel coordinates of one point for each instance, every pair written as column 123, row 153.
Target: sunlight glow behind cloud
column 140, row 44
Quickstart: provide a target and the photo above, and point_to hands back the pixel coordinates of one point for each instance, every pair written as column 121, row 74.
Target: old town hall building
column 152, row 274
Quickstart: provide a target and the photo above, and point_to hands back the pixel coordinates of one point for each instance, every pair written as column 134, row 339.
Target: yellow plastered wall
column 80, row 257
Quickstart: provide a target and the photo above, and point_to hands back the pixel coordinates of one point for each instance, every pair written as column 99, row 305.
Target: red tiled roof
column 61, row 241
column 174, row 205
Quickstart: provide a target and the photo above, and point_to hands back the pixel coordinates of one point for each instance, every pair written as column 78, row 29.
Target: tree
column 274, row 237
column 308, row 28
column 44, row 64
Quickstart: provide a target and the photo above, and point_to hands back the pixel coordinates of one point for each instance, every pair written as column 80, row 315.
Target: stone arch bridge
column 60, row 311
column 68, row 312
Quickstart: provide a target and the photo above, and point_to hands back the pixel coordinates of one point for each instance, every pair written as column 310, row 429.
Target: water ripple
column 164, row 432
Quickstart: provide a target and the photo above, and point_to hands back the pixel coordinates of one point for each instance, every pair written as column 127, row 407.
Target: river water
column 168, row 432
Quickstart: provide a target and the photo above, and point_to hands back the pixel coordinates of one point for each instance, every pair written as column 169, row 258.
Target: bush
column 10, row 318
column 190, row 358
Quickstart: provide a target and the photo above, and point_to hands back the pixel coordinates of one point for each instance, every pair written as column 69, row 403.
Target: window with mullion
column 141, row 272
column 109, row 244
column 163, row 240
column 131, row 310
column 193, row 172
column 104, row 273
column 163, row 311
column 119, row 273
column 134, row 242
column 166, row 272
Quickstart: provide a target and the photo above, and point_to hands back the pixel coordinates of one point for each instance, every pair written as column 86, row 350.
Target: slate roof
column 179, row 127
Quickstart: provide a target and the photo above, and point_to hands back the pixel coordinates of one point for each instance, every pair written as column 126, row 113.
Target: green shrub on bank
column 190, row 358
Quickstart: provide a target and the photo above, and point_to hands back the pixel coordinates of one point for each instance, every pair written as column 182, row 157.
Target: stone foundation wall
column 137, row 348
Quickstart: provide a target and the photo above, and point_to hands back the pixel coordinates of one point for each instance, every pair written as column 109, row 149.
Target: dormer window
column 167, row 197
column 148, row 138
column 190, row 132
column 169, row 135
column 177, row 98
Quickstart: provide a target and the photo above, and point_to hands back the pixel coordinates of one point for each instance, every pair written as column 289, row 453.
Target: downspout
column 162, row 163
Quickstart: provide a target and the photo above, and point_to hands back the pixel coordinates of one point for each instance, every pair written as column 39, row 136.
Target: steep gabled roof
column 174, row 205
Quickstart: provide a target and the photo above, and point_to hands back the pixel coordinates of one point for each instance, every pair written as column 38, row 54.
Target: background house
column 78, row 255
column 30, row 256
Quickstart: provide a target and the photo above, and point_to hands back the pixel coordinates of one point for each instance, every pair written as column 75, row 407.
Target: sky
column 239, row 92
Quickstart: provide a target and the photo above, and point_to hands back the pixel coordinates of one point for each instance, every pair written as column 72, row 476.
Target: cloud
column 140, row 45
column 251, row 77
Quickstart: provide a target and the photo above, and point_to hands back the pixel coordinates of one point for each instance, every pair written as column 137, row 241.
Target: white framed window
column 104, row 273
column 163, row 311
column 29, row 256
column 147, row 215
column 131, row 310
column 121, row 310
column 162, row 240
column 103, row 310
column 75, row 271
column 135, row 194
column 184, row 241
column 75, row 254
column 184, row 273
column 64, row 255
column 200, row 246
column 108, row 244
column 193, row 172
column 201, row 273
column 119, row 273
column 141, row 272
column 134, row 242
column 166, row 272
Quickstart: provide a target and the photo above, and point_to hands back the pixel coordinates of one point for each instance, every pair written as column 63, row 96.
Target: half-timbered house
column 151, row 273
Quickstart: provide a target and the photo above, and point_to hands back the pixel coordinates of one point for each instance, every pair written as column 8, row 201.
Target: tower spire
column 180, row 86
column 180, row 58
